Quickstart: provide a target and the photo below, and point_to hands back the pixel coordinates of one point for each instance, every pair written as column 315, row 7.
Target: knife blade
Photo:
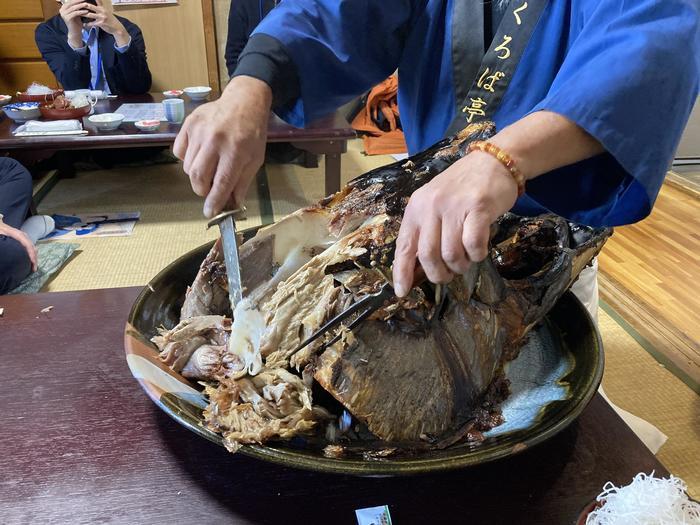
column 227, row 227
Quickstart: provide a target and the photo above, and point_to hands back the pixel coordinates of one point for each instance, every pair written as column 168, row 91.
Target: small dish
column 5, row 99
column 198, row 92
column 106, row 121
column 173, row 93
column 147, row 125
column 22, row 111
column 23, row 97
column 64, row 114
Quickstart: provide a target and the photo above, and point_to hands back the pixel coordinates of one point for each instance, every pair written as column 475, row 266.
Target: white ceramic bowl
column 198, row 92
column 22, row 111
column 106, row 121
column 173, row 93
column 5, row 99
column 147, row 125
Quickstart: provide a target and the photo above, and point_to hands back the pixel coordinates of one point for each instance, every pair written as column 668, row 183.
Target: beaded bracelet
column 502, row 157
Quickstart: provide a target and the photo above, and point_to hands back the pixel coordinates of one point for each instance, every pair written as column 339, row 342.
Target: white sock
column 38, row 226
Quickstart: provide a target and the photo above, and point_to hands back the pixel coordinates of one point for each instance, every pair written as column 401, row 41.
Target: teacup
column 174, row 110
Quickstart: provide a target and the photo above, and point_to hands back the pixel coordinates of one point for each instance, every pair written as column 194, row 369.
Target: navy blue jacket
column 126, row 73
column 243, row 17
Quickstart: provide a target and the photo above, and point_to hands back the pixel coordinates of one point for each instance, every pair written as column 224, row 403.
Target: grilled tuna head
column 425, row 371
column 425, row 368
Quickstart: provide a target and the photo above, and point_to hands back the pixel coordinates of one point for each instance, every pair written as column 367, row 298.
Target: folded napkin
column 53, row 127
column 97, row 93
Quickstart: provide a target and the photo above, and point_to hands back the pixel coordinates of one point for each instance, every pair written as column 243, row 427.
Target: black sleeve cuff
column 265, row 58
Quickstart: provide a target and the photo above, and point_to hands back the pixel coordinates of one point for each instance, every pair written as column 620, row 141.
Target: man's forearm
column 75, row 40
column 121, row 37
column 544, row 141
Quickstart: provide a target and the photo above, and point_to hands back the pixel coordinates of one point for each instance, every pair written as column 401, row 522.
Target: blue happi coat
column 626, row 71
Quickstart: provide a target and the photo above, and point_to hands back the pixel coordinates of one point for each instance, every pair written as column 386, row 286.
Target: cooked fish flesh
column 208, row 294
column 196, row 347
column 426, row 369
column 254, row 409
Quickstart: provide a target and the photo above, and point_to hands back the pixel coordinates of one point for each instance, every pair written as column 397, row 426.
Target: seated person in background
column 88, row 47
column 243, row 17
column 18, row 257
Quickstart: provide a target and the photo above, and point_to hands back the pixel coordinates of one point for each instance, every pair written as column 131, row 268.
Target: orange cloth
column 382, row 98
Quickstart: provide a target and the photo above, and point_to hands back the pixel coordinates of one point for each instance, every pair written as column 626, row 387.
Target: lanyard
column 498, row 64
column 94, row 36
column 99, row 69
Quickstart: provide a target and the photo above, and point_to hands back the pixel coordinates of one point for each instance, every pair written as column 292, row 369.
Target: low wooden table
column 81, row 443
column 327, row 136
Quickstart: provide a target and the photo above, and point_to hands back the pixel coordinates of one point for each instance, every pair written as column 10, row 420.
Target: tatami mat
column 172, row 224
column 171, row 215
column 686, row 178
column 635, row 381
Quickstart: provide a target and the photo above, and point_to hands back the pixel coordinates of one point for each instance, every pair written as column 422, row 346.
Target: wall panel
column 17, row 75
column 20, row 9
column 17, row 40
column 20, row 60
column 221, row 9
column 175, row 46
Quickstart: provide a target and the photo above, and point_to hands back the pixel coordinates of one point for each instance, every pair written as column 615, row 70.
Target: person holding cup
column 87, row 46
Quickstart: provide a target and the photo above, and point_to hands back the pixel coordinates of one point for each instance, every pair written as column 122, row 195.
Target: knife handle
column 224, row 215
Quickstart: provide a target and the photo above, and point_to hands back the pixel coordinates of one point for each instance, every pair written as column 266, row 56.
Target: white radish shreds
column 646, row 501
column 38, row 89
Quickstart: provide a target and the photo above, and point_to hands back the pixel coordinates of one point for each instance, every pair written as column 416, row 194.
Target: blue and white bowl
column 22, row 111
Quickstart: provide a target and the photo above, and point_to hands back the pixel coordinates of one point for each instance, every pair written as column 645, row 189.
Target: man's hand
column 102, row 16
column 71, row 11
column 222, row 144
column 21, row 238
column 447, row 222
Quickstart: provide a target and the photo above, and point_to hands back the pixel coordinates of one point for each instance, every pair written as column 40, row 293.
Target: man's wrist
column 75, row 41
column 121, row 37
column 510, row 144
column 506, row 162
column 250, row 85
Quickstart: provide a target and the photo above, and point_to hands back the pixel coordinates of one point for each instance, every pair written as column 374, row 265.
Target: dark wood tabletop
column 332, row 127
column 81, row 443
column 327, row 136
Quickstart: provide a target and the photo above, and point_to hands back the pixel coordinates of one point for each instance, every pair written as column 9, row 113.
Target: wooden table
column 327, row 136
column 81, row 443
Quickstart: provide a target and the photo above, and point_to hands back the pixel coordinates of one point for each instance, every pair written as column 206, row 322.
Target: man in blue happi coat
column 591, row 116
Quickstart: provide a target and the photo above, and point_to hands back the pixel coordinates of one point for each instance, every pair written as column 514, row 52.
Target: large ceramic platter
column 552, row 381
